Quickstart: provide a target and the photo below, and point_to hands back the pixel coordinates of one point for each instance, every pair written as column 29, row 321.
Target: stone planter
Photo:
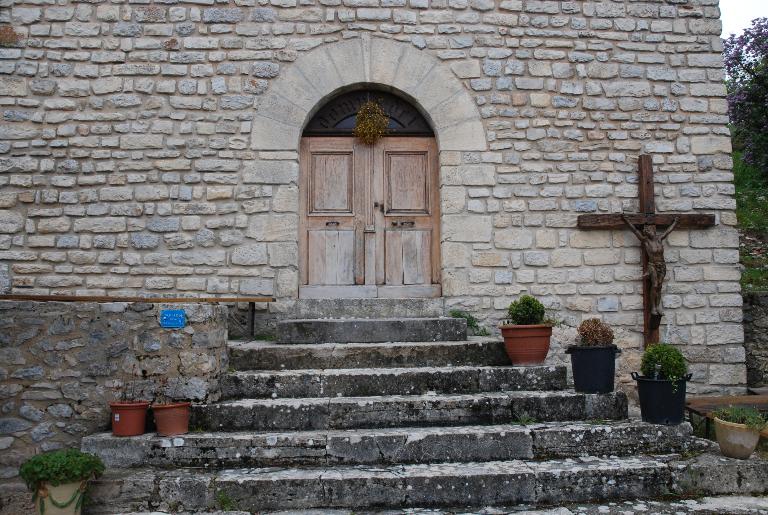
column 64, row 499
column 129, row 418
column 526, row 344
column 171, row 419
column 736, row 440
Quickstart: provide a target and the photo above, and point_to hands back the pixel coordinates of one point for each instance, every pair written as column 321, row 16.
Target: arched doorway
column 369, row 214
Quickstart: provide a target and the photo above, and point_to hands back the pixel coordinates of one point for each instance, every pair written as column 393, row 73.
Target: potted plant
column 738, row 430
column 662, row 386
column 593, row 358
column 171, row 417
column 58, row 480
column 527, row 332
column 129, row 416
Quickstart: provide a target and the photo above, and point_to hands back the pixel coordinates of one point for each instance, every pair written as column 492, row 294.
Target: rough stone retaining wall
column 756, row 337
column 61, row 363
column 154, row 147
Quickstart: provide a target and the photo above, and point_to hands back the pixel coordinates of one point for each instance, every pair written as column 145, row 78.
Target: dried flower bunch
column 595, row 333
column 371, row 123
column 8, row 36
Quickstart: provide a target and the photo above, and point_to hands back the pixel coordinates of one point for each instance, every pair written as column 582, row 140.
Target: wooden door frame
column 364, row 157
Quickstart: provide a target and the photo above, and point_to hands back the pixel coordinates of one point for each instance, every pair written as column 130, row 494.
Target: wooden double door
column 369, row 218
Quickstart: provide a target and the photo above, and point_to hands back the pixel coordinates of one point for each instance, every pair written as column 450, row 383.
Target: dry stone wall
column 153, row 146
column 61, row 363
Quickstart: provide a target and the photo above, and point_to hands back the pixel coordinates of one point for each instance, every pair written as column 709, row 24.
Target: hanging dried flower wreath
column 371, row 123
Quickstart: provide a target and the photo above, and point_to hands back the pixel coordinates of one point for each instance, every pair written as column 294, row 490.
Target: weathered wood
column 705, row 405
column 152, row 300
column 614, row 220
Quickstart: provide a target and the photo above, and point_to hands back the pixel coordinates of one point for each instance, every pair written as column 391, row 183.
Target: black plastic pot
column 660, row 403
column 594, row 368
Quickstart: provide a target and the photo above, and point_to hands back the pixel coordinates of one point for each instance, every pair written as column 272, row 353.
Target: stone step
column 392, row 446
column 495, row 483
column 361, row 382
column 406, row 410
column 364, row 330
column 262, row 355
column 711, row 505
column 365, row 308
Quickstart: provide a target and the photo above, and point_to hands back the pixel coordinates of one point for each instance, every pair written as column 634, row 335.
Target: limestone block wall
column 153, row 147
column 61, row 363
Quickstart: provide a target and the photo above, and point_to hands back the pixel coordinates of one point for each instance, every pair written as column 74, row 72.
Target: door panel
column 369, row 217
column 408, row 180
column 331, row 183
column 331, row 257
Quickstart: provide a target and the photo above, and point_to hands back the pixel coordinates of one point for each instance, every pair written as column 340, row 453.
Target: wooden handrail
column 153, row 300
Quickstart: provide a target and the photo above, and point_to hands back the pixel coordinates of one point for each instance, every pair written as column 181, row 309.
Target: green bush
column 670, row 361
column 59, row 467
column 750, row 417
column 472, row 324
column 526, row 311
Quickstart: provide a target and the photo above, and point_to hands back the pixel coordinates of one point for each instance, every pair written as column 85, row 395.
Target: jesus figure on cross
column 653, row 246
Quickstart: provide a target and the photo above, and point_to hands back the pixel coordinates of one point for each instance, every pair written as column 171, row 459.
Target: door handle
column 404, row 223
column 379, row 206
column 331, row 224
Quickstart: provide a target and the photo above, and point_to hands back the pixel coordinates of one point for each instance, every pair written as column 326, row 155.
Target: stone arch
column 318, row 75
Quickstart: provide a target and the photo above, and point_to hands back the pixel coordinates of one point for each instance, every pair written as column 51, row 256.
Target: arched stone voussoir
column 381, row 63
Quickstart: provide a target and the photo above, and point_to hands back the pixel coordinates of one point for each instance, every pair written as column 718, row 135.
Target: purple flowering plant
column 746, row 64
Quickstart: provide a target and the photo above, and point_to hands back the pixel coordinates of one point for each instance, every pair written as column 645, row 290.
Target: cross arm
column 614, row 220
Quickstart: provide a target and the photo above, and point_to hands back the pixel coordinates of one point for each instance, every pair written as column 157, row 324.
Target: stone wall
column 61, row 363
column 756, row 338
column 155, row 148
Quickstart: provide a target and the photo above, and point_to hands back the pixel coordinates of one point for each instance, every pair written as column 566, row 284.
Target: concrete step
column 361, row 382
column 365, row 308
column 406, row 410
column 262, row 355
column 364, row 330
column 495, row 483
column 392, row 446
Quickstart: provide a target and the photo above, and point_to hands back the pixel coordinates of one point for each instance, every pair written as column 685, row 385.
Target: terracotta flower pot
column 736, row 440
column 526, row 344
column 64, row 499
column 129, row 418
column 171, row 419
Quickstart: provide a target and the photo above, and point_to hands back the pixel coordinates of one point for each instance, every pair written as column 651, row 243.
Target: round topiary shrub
column 526, row 311
column 593, row 332
column 663, row 361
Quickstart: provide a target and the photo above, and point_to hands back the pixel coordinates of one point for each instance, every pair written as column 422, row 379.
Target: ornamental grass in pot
column 738, row 430
column 171, row 416
column 661, row 388
column 527, row 332
column 593, row 358
column 59, row 479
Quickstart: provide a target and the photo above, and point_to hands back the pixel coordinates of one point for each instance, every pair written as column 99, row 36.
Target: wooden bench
column 154, row 300
column 705, row 406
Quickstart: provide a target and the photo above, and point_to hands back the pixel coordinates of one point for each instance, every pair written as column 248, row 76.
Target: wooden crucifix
column 644, row 225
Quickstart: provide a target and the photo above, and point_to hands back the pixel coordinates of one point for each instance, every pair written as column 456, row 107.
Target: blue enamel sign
column 172, row 318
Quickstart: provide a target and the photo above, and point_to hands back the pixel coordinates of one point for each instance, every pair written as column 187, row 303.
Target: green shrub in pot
column 527, row 332
column 58, row 479
column 661, row 387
